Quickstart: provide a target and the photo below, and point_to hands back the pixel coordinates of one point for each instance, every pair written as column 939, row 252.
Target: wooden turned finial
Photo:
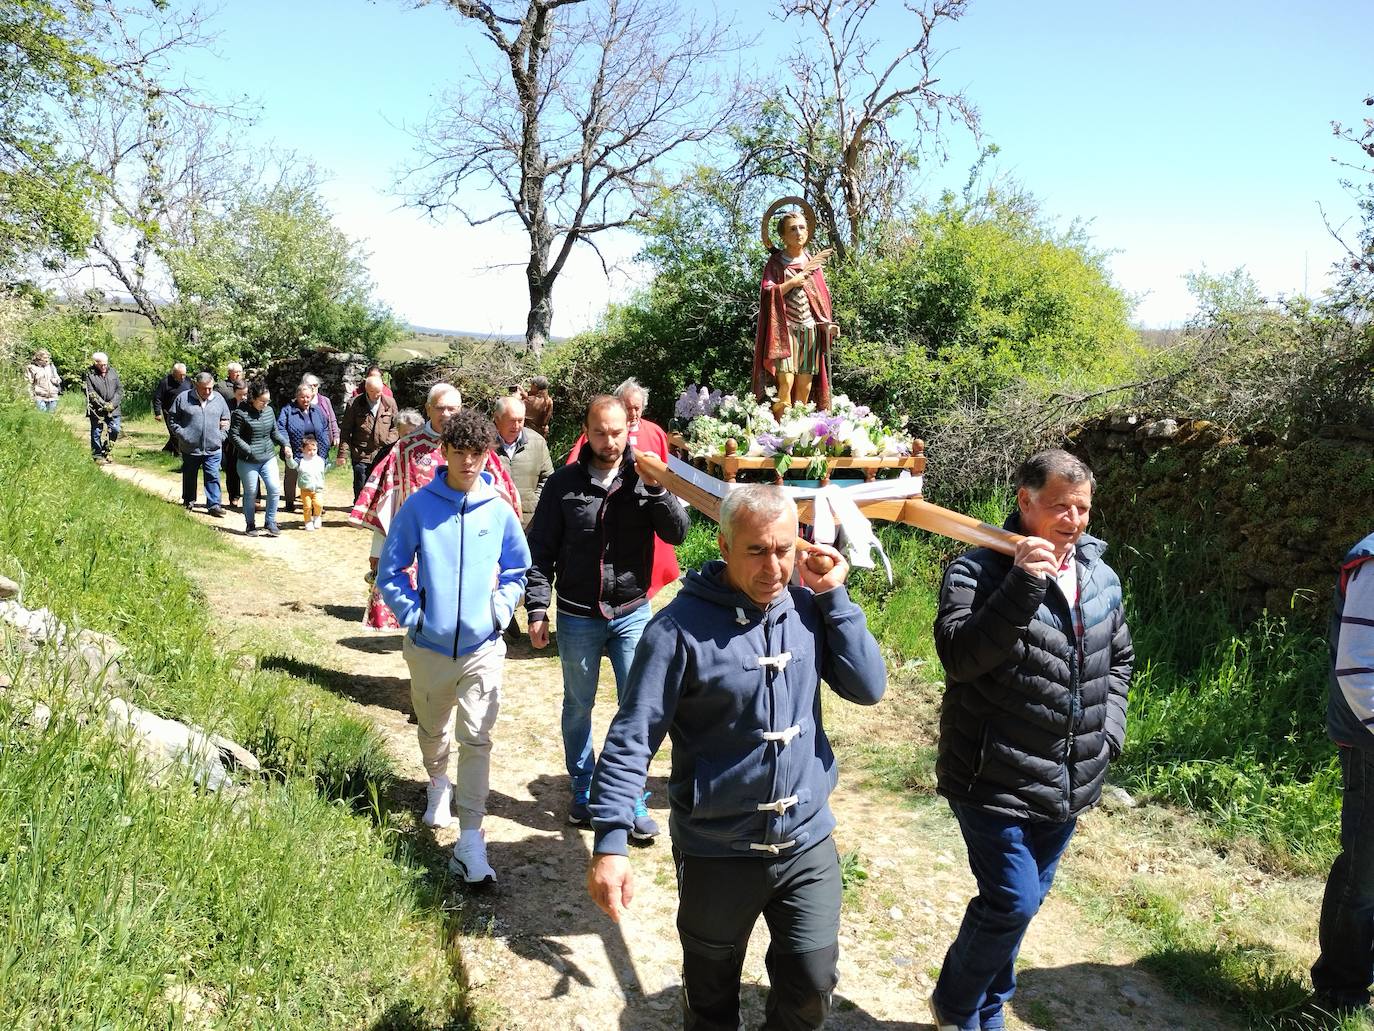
column 918, row 446
column 731, row 447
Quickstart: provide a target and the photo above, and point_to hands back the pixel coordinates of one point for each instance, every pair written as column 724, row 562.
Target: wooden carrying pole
column 911, row 511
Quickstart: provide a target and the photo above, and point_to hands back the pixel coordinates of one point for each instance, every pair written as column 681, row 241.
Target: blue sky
column 1189, row 135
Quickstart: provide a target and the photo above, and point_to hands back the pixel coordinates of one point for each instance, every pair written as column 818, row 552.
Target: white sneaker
column 940, row 1023
column 438, row 802
column 318, row 521
column 309, row 524
column 470, row 859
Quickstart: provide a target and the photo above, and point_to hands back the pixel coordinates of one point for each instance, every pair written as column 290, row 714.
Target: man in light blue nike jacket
column 469, row 557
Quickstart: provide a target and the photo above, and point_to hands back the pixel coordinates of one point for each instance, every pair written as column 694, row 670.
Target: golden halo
column 808, row 212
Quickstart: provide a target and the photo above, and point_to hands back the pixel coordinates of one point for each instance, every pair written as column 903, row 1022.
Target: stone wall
column 1272, row 517
column 340, row 373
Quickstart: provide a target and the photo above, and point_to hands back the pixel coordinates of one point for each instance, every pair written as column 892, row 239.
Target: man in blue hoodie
column 731, row 670
column 470, row 560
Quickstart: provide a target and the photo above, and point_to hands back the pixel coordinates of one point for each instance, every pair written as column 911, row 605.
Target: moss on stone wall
column 1260, row 522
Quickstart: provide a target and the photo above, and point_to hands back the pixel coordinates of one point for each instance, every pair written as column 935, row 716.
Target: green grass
column 1228, row 720
column 1258, row 986
column 296, row 906
column 700, row 546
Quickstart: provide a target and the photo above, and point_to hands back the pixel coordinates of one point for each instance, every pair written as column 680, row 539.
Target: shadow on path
column 365, row 689
column 1074, row 997
column 555, row 852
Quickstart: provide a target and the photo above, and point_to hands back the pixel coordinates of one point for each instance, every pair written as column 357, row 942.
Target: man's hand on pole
column 645, row 476
column 611, row 884
column 1036, row 556
column 822, row 567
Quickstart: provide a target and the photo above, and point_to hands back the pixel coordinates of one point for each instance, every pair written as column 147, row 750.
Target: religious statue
column 792, row 346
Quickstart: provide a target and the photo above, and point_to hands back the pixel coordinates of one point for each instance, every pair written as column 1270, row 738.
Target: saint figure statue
column 792, row 346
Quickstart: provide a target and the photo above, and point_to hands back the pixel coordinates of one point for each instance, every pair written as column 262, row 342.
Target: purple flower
column 689, row 405
column 769, row 443
column 825, row 430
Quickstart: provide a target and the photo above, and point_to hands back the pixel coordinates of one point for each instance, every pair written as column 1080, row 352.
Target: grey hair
column 100, row 356
column 633, row 386
column 439, row 390
column 232, row 367
column 204, row 377
column 1036, row 470
column 762, row 501
column 310, row 380
column 505, row 403
column 539, row 383
column 179, row 366
column 409, row 419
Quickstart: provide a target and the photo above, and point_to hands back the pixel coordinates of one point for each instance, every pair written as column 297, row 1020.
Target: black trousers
column 720, row 900
column 230, row 465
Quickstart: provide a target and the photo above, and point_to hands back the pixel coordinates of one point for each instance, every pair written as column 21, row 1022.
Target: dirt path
column 536, row 952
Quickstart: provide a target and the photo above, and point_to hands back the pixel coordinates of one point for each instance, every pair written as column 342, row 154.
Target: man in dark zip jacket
column 593, row 537
column 1037, row 659
column 731, row 669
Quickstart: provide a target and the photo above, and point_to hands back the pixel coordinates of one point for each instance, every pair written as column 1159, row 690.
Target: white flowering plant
column 846, row 431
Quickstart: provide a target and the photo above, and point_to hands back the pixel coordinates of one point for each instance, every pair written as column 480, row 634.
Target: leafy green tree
column 971, row 297
column 272, row 276
column 46, row 68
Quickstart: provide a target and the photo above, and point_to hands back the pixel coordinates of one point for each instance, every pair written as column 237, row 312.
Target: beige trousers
column 457, row 699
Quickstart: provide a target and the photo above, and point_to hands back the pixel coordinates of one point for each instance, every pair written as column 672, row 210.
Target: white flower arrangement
column 846, row 431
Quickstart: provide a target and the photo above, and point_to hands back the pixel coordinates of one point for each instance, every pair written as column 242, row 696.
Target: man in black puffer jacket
column 1037, row 661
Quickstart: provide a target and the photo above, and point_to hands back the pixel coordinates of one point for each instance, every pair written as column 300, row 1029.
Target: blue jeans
column 98, row 424
column 581, row 640
column 192, row 464
column 249, row 474
column 1345, row 967
column 1014, row 863
column 46, row 406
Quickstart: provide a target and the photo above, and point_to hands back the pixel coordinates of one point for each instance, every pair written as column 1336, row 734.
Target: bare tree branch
column 594, row 101
column 849, row 128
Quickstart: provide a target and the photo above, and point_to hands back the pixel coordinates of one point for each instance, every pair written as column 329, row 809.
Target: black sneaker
column 272, row 531
column 252, row 531
column 188, row 505
column 578, row 813
column 216, row 511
